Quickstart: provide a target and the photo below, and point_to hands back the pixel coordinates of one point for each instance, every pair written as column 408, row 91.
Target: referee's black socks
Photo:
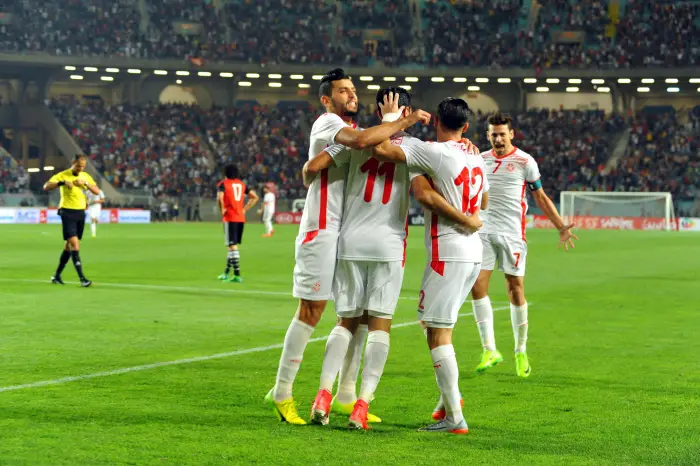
column 65, row 255
column 75, row 255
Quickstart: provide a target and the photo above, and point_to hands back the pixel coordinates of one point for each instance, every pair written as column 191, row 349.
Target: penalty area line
column 146, row 367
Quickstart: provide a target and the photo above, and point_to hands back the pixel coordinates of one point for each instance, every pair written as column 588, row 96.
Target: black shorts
column 73, row 222
column 233, row 233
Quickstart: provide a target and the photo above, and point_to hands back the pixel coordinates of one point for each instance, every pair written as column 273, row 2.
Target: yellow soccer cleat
column 286, row 411
column 346, row 409
column 489, row 359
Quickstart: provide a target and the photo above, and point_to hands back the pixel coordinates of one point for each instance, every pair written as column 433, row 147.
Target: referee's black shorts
column 73, row 222
column 233, row 233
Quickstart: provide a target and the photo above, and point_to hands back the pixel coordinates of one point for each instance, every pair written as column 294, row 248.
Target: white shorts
column 442, row 294
column 367, row 286
column 94, row 212
column 509, row 252
column 315, row 265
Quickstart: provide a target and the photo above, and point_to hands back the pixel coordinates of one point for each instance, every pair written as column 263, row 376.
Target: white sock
column 295, row 342
column 483, row 314
column 347, row 381
column 447, row 375
column 376, row 355
column 336, row 348
column 93, row 228
column 518, row 318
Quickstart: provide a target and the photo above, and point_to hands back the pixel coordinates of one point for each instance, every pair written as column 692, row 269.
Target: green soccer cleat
column 236, row 279
column 489, row 359
column 223, row 277
column 522, row 365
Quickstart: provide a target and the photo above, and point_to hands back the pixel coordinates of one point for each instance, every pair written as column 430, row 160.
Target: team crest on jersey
column 316, row 287
column 510, row 167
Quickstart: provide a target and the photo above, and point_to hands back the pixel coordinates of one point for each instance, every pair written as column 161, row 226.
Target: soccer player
column 316, row 244
column 95, row 202
column 510, row 172
column 72, row 183
column 230, row 198
column 371, row 255
column 268, row 210
column 454, row 255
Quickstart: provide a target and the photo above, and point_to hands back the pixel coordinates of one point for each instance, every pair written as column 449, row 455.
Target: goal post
column 650, row 207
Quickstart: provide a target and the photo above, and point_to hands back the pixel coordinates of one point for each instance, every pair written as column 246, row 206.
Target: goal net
column 646, row 208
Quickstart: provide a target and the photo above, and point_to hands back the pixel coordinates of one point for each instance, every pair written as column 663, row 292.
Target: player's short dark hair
column 326, row 87
column 499, row 118
column 78, row 157
column 454, row 113
column 404, row 95
column 231, row 171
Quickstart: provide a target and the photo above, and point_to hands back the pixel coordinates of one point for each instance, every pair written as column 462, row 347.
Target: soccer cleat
column 84, row 282
column 223, row 277
column 522, row 365
column 439, row 412
column 447, row 426
column 236, row 279
column 358, row 418
column 286, row 411
column 56, row 280
column 489, row 359
column 321, row 408
column 346, row 409
column 267, row 235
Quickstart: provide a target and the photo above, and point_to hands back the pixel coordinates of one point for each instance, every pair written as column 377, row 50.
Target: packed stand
column 478, row 33
column 153, row 149
column 268, row 143
column 285, row 31
column 14, row 179
column 663, row 155
column 74, row 27
column 166, row 42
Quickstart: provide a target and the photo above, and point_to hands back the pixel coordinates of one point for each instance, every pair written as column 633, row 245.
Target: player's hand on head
column 391, row 104
column 567, row 237
column 420, row 116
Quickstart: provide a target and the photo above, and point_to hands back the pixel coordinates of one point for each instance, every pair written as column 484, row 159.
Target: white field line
column 185, row 288
column 146, row 367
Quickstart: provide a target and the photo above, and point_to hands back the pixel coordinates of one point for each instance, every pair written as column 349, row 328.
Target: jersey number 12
column 467, row 178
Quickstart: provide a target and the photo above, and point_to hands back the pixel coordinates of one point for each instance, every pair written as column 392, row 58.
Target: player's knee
column 310, row 312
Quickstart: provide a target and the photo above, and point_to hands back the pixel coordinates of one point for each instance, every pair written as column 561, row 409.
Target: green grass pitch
column 614, row 344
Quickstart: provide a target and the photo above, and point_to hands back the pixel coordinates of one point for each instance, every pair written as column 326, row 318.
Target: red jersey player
column 230, row 198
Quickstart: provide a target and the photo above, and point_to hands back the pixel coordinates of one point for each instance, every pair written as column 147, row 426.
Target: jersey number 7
column 373, row 168
column 467, row 178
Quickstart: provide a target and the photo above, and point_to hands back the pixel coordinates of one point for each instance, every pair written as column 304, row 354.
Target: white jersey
column 92, row 197
column 376, row 206
column 268, row 204
column 508, row 177
column 324, row 201
column 459, row 176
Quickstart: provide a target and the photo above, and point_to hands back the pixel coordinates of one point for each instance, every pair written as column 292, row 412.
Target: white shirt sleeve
column 424, row 157
column 102, row 195
column 327, row 126
column 486, row 184
column 532, row 171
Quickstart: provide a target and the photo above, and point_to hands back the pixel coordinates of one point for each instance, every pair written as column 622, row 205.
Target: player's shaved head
column 454, row 113
column 231, row 171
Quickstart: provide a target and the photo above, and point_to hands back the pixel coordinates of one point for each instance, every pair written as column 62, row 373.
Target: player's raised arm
column 371, row 137
column 426, row 195
column 543, row 201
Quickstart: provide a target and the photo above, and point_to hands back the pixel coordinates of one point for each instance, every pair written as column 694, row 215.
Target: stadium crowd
column 277, row 31
column 13, row 178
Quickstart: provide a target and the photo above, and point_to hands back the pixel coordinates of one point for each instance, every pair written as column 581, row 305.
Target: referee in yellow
column 73, row 183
